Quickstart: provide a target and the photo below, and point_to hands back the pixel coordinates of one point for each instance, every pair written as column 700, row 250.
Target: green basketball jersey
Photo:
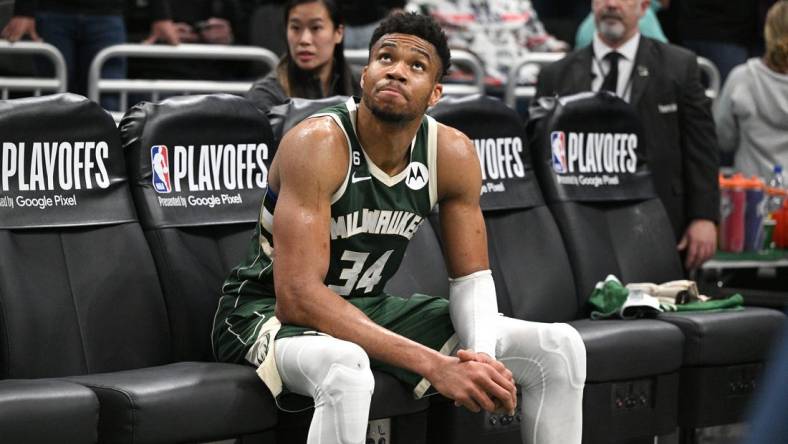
column 373, row 216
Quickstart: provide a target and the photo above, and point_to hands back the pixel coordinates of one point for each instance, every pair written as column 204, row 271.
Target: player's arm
column 310, row 166
column 472, row 301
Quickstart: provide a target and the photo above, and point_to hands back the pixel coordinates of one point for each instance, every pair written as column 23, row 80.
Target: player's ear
column 437, row 93
column 363, row 75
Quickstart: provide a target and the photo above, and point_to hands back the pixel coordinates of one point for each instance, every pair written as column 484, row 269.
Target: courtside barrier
column 513, row 91
column 708, row 68
column 36, row 85
column 459, row 58
column 98, row 85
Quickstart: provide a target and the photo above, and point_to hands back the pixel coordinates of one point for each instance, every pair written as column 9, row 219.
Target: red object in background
column 732, row 209
column 780, row 236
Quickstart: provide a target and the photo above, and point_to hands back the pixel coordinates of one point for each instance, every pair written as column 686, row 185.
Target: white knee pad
column 347, row 393
column 337, row 375
column 565, row 343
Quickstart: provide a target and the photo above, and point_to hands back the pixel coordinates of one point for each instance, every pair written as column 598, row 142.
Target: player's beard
column 390, row 116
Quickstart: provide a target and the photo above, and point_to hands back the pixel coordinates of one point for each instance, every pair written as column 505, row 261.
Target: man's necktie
column 611, row 79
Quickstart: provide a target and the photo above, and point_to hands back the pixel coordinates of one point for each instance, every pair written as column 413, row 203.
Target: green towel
column 735, row 301
column 607, row 298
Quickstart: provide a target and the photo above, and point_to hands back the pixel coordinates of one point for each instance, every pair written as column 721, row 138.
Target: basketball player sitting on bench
column 347, row 190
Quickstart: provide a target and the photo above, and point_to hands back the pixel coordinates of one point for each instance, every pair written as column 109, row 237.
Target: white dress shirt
column 600, row 66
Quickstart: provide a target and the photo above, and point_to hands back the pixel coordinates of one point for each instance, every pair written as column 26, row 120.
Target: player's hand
column 700, row 241
column 18, row 27
column 468, row 355
column 217, row 31
column 163, row 30
column 472, row 384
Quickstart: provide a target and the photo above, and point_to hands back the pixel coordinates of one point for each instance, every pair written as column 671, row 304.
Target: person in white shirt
column 752, row 111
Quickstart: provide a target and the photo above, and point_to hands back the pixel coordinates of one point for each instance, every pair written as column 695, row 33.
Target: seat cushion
column 618, row 350
column 393, row 398
column 44, row 411
column 182, row 402
column 728, row 336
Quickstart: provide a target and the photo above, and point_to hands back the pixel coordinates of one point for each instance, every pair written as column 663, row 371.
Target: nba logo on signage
column 558, row 145
column 160, row 167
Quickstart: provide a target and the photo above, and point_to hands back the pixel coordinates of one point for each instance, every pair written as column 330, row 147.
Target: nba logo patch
column 558, row 146
column 160, row 167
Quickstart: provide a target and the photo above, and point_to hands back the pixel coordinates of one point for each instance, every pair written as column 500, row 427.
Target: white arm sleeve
column 473, row 308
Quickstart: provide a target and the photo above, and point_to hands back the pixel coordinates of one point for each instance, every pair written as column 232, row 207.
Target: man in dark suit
column 663, row 83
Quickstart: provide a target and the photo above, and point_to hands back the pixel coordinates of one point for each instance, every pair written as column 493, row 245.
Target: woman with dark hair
column 314, row 65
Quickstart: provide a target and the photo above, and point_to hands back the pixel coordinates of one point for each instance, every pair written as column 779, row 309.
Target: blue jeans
column 725, row 55
column 79, row 38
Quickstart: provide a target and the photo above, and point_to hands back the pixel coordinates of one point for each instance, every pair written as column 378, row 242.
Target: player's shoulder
column 453, row 144
column 316, row 138
column 316, row 147
column 316, row 129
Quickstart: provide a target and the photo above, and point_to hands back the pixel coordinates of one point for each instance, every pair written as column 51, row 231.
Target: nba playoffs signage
column 590, row 148
column 498, row 136
column 593, row 159
column 60, row 165
column 207, row 175
column 501, row 161
column 213, row 171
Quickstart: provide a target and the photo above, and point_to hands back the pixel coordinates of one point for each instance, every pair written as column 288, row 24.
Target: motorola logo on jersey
column 417, row 176
column 558, row 148
column 160, row 166
column 54, row 166
column 209, row 167
column 604, row 153
column 500, row 157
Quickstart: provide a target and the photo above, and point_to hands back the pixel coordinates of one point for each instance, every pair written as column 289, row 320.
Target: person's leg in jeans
column 59, row 30
column 99, row 32
column 725, row 55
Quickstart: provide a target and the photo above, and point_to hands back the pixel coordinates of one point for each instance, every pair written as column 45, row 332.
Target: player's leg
column 548, row 361
column 336, row 374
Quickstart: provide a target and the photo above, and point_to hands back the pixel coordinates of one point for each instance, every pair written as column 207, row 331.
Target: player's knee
column 347, row 392
column 349, row 371
column 349, row 355
column 568, row 352
column 342, row 380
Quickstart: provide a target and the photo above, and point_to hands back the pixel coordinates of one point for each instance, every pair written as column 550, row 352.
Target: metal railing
column 98, row 85
column 713, row 75
column 513, row 90
column 37, row 85
column 459, row 58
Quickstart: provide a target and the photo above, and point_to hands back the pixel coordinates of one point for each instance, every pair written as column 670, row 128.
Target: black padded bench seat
column 81, row 295
column 45, row 411
column 715, row 338
column 618, row 350
column 181, row 402
column 392, row 398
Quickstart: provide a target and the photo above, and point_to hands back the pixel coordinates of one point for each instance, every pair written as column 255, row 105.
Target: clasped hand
column 477, row 381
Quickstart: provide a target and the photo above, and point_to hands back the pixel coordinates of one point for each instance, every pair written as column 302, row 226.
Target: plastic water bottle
column 776, row 188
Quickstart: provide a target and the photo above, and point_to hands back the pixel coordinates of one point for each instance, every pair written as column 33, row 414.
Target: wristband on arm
column 473, row 308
